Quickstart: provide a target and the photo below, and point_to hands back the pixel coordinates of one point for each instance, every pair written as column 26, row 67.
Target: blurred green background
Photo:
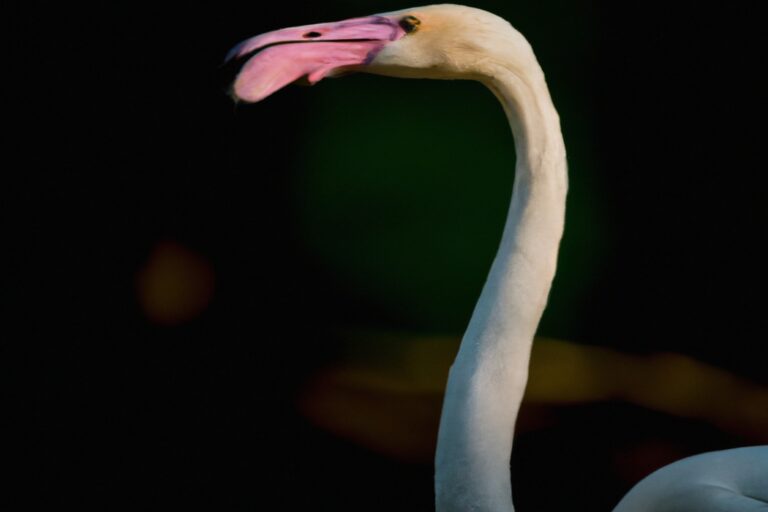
column 406, row 203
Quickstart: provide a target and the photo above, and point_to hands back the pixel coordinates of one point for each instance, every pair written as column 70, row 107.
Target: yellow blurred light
column 387, row 395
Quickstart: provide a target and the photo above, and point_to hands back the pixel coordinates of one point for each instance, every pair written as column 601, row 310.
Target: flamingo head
column 437, row 41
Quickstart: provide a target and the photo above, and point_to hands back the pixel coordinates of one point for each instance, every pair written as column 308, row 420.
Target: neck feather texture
column 487, row 380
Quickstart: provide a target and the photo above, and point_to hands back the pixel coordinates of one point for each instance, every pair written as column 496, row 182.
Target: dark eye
column 410, row 23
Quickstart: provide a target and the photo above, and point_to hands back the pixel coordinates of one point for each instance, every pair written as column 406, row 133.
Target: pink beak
column 314, row 51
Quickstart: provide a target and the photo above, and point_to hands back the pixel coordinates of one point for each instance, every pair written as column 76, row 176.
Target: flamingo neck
column 487, row 380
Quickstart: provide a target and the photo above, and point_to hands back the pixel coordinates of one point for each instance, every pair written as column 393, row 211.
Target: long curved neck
column 487, row 380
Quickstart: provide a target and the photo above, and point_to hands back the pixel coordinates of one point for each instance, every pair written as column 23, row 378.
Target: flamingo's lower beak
column 314, row 51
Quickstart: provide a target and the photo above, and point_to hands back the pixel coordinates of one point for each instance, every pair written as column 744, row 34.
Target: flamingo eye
column 410, row 24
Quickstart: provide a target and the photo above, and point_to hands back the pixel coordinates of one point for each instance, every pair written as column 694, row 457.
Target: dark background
column 358, row 202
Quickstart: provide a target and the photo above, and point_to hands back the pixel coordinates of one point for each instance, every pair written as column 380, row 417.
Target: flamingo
column 488, row 377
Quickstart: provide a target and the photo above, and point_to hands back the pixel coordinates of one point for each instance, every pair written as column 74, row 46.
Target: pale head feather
column 455, row 42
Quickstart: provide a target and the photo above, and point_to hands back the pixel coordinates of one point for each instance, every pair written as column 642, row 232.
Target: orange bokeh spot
column 175, row 284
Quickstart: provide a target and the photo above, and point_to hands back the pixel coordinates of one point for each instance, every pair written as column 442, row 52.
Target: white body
column 726, row 481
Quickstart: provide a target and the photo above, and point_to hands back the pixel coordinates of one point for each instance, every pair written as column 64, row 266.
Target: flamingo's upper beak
column 314, row 51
